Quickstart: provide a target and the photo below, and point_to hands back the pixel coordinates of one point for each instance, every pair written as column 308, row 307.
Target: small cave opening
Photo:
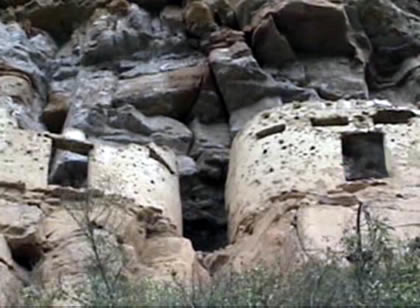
column 27, row 255
column 206, row 234
column 363, row 156
column 204, row 213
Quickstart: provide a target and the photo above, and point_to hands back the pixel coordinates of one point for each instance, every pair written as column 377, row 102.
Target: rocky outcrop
column 171, row 94
column 138, row 214
column 150, row 94
column 9, row 281
column 23, row 63
column 246, row 87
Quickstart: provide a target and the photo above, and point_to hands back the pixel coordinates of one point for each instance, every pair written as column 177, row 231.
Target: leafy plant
column 375, row 272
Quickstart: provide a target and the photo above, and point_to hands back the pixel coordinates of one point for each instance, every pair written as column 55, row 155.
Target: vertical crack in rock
column 202, row 192
column 204, row 214
column 299, row 235
column 206, row 234
column 156, row 156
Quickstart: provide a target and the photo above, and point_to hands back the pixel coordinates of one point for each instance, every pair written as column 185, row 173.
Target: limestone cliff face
column 250, row 131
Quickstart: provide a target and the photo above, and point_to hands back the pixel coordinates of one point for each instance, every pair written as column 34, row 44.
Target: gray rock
column 136, row 34
column 240, row 117
column 160, row 63
column 172, row 17
column 389, row 28
column 211, row 149
column 244, row 83
column 409, row 6
column 223, row 12
column 336, row 78
column 58, row 17
column 186, row 166
column 153, row 4
column 170, row 94
column 292, row 72
column 209, row 137
column 246, row 88
column 240, row 79
column 212, row 164
column 209, row 107
column 271, row 48
column 23, row 62
column 406, row 93
column 92, row 89
column 324, row 27
column 128, row 123
column 393, row 33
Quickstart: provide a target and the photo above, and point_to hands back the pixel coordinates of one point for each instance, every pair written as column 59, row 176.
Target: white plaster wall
column 6, row 120
column 24, row 157
column 308, row 159
column 130, row 171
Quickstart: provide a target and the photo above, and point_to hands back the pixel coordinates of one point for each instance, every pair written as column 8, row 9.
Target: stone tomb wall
column 319, row 161
column 146, row 174
column 133, row 191
column 24, row 158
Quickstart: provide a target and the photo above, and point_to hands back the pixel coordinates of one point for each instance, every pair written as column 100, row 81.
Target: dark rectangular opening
column 269, row 131
column 69, row 162
column 363, row 156
column 330, row 121
column 393, row 116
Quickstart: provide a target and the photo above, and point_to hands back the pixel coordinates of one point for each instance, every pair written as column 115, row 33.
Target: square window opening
column 69, row 163
column 363, row 156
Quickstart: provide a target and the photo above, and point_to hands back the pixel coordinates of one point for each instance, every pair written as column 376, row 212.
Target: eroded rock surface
column 132, row 197
column 153, row 92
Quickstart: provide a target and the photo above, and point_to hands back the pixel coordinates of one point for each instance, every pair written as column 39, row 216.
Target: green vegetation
column 374, row 272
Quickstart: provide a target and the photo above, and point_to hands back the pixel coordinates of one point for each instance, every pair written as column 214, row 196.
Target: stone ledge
column 72, row 145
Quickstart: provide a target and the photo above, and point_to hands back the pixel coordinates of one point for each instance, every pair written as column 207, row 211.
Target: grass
column 380, row 273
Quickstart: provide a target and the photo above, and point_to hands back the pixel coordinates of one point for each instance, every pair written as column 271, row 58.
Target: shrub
column 377, row 272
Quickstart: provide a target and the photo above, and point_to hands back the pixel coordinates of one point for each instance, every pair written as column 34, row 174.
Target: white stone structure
column 24, row 158
column 146, row 174
column 329, row 157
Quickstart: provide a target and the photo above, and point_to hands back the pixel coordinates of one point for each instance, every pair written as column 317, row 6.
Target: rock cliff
column 202, row 134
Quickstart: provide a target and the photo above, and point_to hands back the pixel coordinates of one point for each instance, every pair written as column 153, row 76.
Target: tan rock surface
column 46, row 228
column 173, row 258
column 152, row 93
column 9, row 282
column 294, row 159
